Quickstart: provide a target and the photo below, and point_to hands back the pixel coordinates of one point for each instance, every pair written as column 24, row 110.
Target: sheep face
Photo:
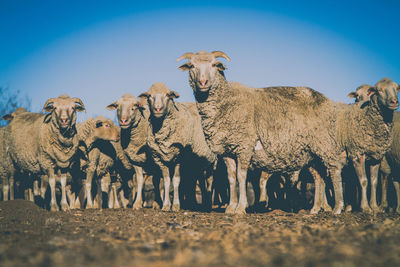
column 361, row 94
column 106, row 130
column 203, row 69
column 63, row 110
column 158, row 98
column 128, row 110
column 385, row 93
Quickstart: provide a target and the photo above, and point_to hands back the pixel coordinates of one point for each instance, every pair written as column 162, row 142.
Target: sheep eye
column 106, row 125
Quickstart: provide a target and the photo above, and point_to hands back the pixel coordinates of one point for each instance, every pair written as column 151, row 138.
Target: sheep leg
column 70, row 197
column 335, row 173
column 52, row 183
column 176, row 180
column 116, row 204
column 359, row 166
column 157, row 193
column 325, row 204
column 241, row 173
column 124, row 201
column 139, row 192
column 99, row 194
column 111, row 195
column 384, row 202
column 29, row 194
column 397, row 189
column 263, row 188
column 167, row 182
column 374, row 171
column 231, row 169
column 64, row 202
column 36, row 190
column 6, row 188
column 106, row 185
column 11, row 184
column 317, row 194
column 206, row 196
column 88, row 188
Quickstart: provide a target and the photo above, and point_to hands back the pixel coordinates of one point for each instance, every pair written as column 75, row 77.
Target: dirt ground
column 31, row 236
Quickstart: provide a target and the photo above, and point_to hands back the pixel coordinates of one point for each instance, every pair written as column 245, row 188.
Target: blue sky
column 99, row 50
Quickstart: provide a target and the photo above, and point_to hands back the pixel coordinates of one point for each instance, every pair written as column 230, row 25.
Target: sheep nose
column 203, row 82
column 394, row 101
column 157, row 109
column 124, row 120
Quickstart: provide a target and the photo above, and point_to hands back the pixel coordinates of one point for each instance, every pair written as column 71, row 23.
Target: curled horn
column 78, row 101
column 48, row 102
column 220, row 54
column 188, row 55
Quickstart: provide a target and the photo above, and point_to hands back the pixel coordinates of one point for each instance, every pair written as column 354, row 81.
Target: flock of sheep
column 273, row 130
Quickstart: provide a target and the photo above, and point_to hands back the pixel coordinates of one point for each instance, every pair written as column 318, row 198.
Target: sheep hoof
column 366, row 209
column 327, row 208
column 64, row 206
column 231, row 209
column 314, row 211
column 116, row 205
column 137, row 206
column 54, row 207
column 166, row 207
column 398, row 209
column 240, row 209
column 375, row 209
column 337, row 210
column 155, row 206
column 176, row 207
column 349, row 208
column 384, row 207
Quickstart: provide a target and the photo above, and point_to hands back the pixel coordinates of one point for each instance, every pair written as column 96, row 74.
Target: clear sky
column 100, row 50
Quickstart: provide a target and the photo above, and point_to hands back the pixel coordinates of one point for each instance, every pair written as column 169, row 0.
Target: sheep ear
column 220, row 66
column 99, row 124
column 47, row 118
column 352, row 95
column 79, row 105
column 186, row 66
column 173, row 94
column 145, row 95
column 112, row 106
column 372, row 91
column 48, row 106
column 8, row 117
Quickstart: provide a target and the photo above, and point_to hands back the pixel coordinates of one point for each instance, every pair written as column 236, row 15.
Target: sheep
column 8, row 185
column 133, row 120
column 44, row 144
column 94, row 137
column 282, row 129
column 361, row 94
column 175, row 136
column 391, row 164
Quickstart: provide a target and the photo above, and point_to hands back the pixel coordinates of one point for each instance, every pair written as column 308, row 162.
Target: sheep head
column 203, row 68
column 159, row 96
column 63, row 110
column 361, row 94
column 127, row 110
column 385, row 93
column 10, row 116
column 106, row 130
